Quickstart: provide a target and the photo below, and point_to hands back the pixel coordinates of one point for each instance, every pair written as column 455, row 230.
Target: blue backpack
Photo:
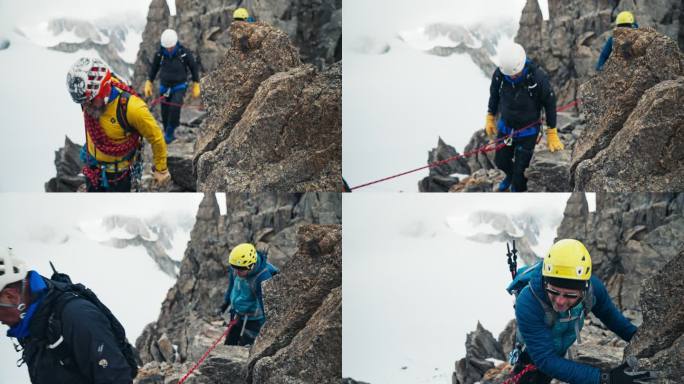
column 522, row 279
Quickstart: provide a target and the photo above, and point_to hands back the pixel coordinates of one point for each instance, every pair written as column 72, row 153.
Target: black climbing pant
column 532, row 377
column 249, row 334
column 118, row 182
column 171, row 113
column 514, row 159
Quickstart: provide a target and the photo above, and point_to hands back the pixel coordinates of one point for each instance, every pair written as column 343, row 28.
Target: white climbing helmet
column 512, row 59
column 169, row 38
column 11, row 268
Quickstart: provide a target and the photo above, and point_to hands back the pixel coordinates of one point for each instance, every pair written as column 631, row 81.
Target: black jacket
column 88, row 354
column 174, row 69
column 520, row 104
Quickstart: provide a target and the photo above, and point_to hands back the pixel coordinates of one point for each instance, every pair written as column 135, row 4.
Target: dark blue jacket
column 88, row 353
column 520, row 102
column 539, row 338
column 174, row 66
column 245, row 295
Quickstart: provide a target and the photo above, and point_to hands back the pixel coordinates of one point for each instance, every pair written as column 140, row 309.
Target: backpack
column 530, row 82
column 62, row 283
column 523, row 279
column 181, row 55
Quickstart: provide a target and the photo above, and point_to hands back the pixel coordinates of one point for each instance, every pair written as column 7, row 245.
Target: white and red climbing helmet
column 11, row 268
column 512, row 59
column 88, row 79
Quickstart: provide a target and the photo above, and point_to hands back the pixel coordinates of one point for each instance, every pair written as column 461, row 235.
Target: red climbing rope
column 515, row 379
column 159, row 100
column 104, row 144
column 100, row 139
column 501, row 142
column 206, row 354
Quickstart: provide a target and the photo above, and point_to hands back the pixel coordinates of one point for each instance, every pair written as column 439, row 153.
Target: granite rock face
column 273, row 123
column 568, row 44
column 303, row 305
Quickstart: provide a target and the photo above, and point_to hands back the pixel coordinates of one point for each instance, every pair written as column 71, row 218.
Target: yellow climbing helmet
column 567, row 259
column 243, row 256
column 624, row 17
column 240, row 14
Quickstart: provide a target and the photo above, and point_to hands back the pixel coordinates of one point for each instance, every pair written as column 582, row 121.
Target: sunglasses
column 553, row 292
column 241, row 268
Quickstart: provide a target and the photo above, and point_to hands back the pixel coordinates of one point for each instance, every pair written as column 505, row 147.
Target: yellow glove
column 490, row 126
column 195, row 90
column 161, row 177
column 148, row 88
column 553, row 141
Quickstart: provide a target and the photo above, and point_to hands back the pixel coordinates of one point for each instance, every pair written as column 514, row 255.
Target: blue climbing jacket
column 547, row 335
column 244, row 295
column 607, row 50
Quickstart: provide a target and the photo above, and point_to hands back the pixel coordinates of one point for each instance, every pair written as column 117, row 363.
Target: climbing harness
column 160, row 100
column 492, row 146
column 167, row 91
column 96, row 170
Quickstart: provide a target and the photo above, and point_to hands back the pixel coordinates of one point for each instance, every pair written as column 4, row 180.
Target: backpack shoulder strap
column 55, row 339
column 122, row 110
column 182, row 52
column 549, row 314
column 256, row 289
column 589, row 300
column 56, row 342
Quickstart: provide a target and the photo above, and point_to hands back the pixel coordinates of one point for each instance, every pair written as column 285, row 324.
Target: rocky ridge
column 628, row 111
column 266, row 120
column 302, row 236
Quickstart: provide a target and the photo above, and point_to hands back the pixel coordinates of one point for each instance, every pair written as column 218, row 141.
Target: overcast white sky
column 28, row 12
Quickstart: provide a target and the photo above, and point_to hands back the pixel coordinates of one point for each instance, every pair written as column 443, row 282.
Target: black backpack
column 530, row 82
column 70, row 291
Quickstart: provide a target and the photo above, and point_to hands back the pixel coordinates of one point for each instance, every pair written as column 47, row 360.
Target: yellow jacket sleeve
column 140, row 118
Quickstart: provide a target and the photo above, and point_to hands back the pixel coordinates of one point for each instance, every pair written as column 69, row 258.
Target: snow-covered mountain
column 163, row 237
column 115, row 40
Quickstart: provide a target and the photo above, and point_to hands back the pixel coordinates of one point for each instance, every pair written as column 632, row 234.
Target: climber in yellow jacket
column 116, row 120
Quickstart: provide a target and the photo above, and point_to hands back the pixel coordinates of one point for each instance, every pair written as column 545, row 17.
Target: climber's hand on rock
column 161, row 177
column 624, row 374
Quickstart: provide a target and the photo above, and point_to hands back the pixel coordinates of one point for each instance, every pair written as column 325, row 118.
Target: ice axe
column 60, row 277
column 512, row 255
